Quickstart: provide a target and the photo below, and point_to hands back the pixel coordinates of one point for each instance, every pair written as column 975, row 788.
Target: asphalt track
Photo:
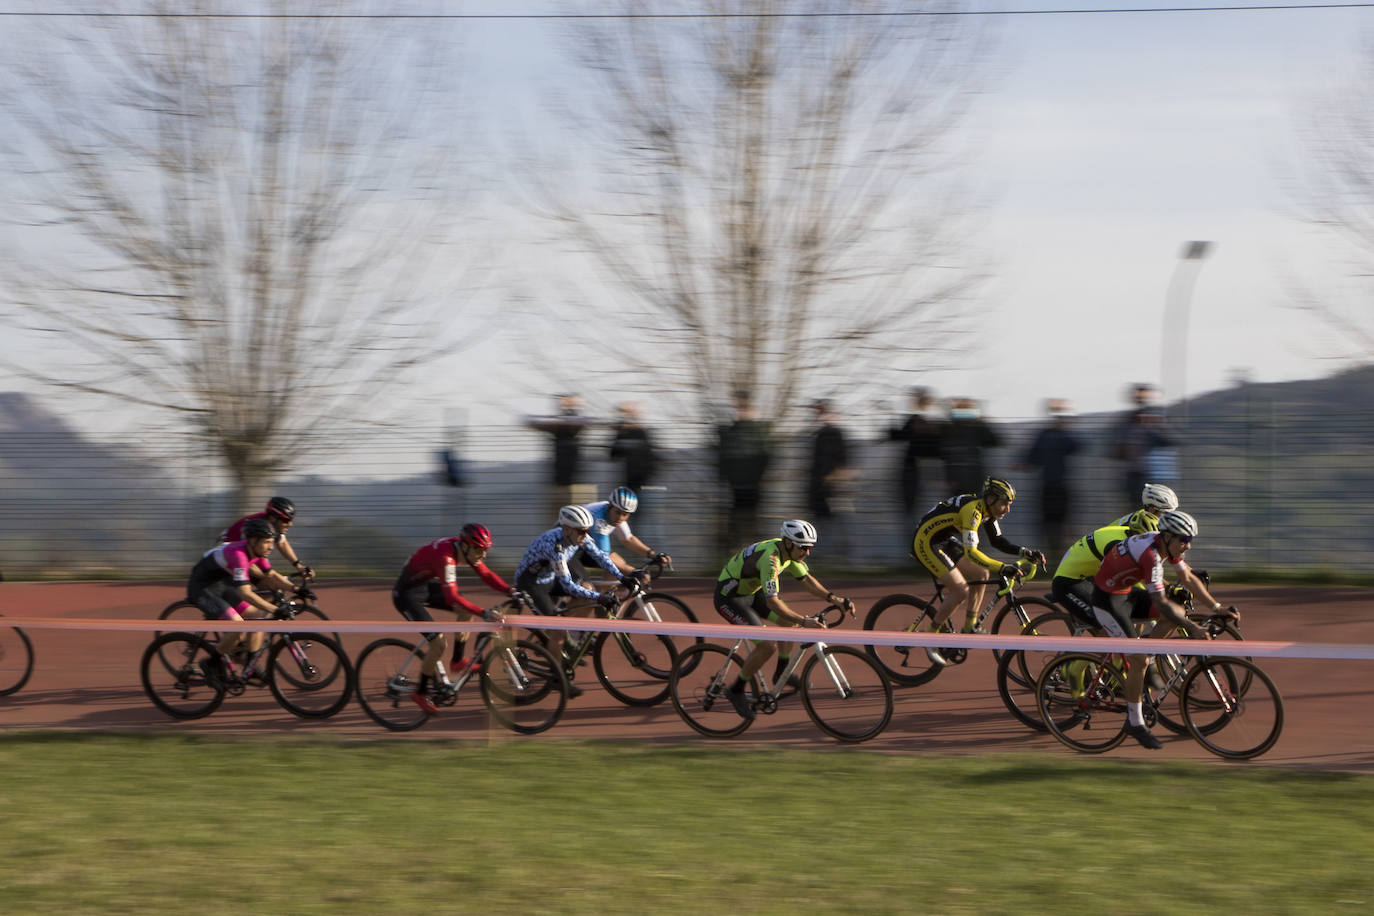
column 87, row 680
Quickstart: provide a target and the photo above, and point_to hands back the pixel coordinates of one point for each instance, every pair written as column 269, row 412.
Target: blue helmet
column 624, row 499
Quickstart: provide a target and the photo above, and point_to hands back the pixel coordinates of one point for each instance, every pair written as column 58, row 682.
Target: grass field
column 115, row 824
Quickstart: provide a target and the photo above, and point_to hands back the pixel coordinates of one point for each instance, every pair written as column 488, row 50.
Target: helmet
column 575, row 517
column 478, row 536
column 799, row 532
column 624, row 499
column 997, row 488
column 258, row 528
column 282, row 508
column 1175, row 521
column 1142, row 521
column 1158, row 496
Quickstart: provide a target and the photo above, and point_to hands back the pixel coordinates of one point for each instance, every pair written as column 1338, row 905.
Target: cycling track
column 87, row 680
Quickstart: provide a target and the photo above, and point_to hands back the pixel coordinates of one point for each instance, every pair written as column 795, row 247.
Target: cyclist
column 544, row 576
column 747, row 592
column 1072, row 584
column 612, row 516
column 220, row 586
column 1140, row 559
column 430, row 580
column 946, row 544
column 1154, row 499
column 281, row 512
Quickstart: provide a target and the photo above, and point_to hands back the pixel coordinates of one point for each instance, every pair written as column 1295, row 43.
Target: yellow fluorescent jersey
column 1082, row 560
column 758, row 566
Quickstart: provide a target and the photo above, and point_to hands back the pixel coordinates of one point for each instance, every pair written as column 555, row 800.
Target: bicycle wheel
column 386, row 674
column 659, row 606
column 634, row 668
column 698, row 687
column 1018, row 694
column 1028, row 663
column 1015, row 613
column 188, row 618
column 328, row 667
column 906, row 666
column 1082, row 702
column 846, row 694
column 309, row 675
column 16, row 660
column 1224, row 720
column 182, row 693
column 1172, row 669
column 523, row 687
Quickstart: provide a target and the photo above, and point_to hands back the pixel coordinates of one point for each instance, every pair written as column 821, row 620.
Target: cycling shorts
column 413, row 601
column 939, row 556
column 544, row 596
column 747, row 610
column 219, row 599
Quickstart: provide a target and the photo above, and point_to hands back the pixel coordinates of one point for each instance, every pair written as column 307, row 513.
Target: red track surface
column 88, row 679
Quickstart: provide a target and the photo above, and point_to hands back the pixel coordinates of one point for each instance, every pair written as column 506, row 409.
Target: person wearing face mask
column 966, row 437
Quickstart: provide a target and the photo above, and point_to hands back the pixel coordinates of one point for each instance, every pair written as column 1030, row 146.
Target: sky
column 1105, row 142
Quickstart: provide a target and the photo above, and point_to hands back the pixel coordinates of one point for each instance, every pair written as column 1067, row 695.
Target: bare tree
column 778, row 195
column 1334, row 193
column 244, row 221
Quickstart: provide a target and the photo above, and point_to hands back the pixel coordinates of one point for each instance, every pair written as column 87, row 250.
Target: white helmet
column 799, row 532
column 575, row 517
column 1175, row 521
column 1158, row 496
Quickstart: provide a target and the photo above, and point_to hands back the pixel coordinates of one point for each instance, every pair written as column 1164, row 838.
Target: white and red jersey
column 1136, row 559
column 439, row 560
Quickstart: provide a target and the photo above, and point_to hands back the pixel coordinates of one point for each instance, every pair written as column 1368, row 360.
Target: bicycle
column 16, row 660
column 299, row 668
column 1228, row 705
column 908, row 666
column 844, row 691
column 521, row 684
column 633, row 667
column 188, row 613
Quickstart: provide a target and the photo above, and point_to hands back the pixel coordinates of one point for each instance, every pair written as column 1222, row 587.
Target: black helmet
column 258, row 528
column 282, row 508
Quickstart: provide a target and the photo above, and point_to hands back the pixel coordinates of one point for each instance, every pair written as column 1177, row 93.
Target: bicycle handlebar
column 826, row 618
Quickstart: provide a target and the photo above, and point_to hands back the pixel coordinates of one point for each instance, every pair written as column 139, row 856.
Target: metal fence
column 1272, row 486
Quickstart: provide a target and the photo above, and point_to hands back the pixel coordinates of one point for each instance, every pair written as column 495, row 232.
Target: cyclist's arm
column 276, row 580
column 1197, row 587
column 602, row 558
column 814, row 586
column 779, row 607
column 253, row 598
column 287, row 550
column 638, row 546
column 492, row 580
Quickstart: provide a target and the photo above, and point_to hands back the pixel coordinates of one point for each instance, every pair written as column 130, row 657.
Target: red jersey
column 235, row 531
column 1136, row 559
column 439, row 560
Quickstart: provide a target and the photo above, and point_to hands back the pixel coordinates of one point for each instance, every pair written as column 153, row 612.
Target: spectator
column 827, row 484
column 966, row 436
column 566, row 484
column 634, row 446
column 1050, row 453
column 745, row 450
column 921, row 433
column 1144, row 445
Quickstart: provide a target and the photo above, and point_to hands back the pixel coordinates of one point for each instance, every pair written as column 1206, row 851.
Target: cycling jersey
column 1136, row 559
column 757, row 567
column 214, row 582
column 602, row 529
column 235, row 531
column 950, row 530
column 1082, row 560
column 437, row 562
column 1139, row 518
column 546, row 560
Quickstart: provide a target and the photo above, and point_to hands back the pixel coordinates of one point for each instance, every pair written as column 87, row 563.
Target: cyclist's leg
column 972, row 572
column 410, row 604
column 544, row 597
column 1113, row 613
column 1076, row 596
column 741, row 610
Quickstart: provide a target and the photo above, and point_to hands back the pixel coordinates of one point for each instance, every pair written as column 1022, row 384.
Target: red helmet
column 478, row 536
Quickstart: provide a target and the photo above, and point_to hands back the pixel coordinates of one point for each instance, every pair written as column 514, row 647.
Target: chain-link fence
column 1272, row 487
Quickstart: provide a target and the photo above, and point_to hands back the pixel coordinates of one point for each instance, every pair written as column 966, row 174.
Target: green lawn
column 105, row 824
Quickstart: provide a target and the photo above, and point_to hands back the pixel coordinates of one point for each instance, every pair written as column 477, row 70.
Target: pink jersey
column 439, row 560
column 1136, row 559
column 235, row 531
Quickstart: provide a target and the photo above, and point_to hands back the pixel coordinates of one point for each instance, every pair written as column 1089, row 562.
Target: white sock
column 1135, row 714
